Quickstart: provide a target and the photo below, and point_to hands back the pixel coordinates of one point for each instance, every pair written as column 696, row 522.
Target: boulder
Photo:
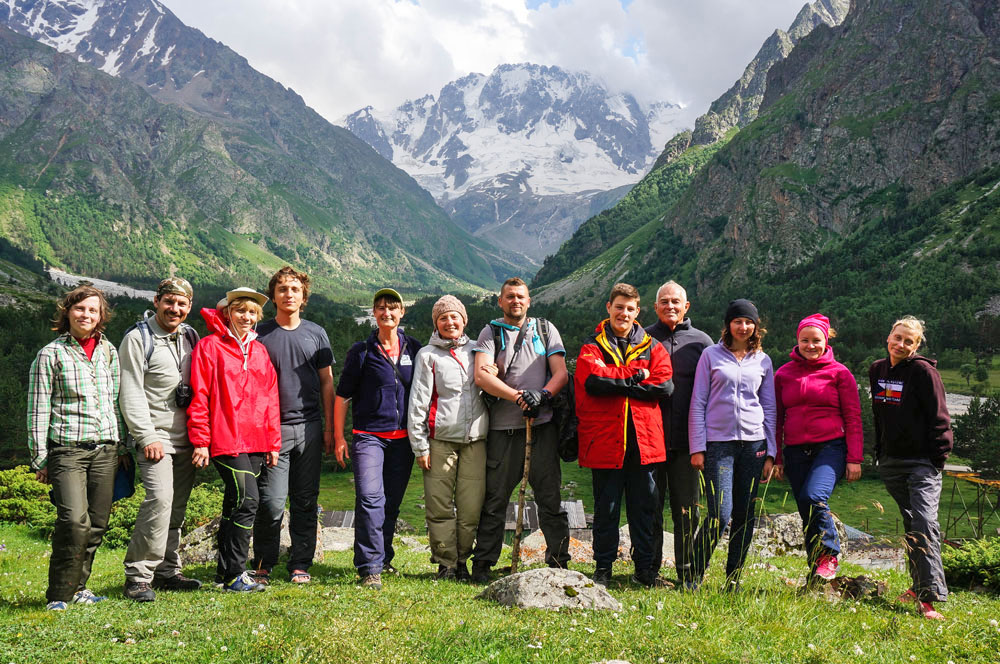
column 200, row 545
column 781, row 535
column 552, row 589
column 337, row 539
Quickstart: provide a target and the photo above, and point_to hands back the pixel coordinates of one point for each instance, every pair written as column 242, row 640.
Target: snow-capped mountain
column 527, row 147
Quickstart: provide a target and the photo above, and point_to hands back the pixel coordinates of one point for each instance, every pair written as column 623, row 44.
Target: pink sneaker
column 826, row 567
column 927, row 609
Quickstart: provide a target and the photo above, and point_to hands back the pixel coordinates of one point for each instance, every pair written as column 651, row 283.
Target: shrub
column 25, row 500
column 976, row 563
column 204, row 505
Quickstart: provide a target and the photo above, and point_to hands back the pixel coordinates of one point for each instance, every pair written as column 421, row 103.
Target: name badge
column 405, row 361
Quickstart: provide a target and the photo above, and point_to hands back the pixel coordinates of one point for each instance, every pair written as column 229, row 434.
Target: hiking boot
column 87, row 597
column 139, row 591
column 826, row 567
column 177, row 582
column 650, row 579
column 480, row 574
column 446, row 573
column 55, row 606
column 244, row 584
column 462, row 573
column 691, row 585
column 372, row 581
column 602, row 576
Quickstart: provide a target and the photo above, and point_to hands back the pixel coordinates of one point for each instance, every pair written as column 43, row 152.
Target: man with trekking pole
column 521, row 364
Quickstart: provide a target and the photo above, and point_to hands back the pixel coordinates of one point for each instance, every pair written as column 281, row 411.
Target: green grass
column 415, row 619
column 954, row 382
column 856, row 503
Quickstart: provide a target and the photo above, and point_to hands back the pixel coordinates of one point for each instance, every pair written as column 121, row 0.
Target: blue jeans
column 638, row 483
column 381, row 472
column 813, row 471
column 732, row 475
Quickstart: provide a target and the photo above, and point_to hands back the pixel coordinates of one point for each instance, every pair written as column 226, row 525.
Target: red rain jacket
column 609, row 389
column 234, row 405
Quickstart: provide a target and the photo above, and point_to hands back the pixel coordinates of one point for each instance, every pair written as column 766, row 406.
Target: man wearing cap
column 376, row 381
column 522, row 362
column 300, row 352
column 684, row 343
column 155, row 360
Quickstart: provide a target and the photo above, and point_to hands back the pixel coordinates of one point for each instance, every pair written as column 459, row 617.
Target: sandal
column 300, row 576
column 262, row 576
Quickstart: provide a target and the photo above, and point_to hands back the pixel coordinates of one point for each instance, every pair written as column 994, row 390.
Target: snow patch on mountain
column 565, row 131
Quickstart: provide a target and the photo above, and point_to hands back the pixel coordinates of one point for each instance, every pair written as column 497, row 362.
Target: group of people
column 662, row 411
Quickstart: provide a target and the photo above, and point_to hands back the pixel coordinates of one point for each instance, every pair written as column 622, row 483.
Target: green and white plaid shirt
column 71, row 399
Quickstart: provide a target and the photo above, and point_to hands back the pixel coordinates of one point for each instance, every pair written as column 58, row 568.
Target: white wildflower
column 858, row 650
column 853, row 609
column 694, row 625
column 649, row 617
column 108, row 625
column 913, row 658
column 993, row 622
column 659, row 606
column 255, row 632
column 589, row 631
column 811, row 646
column 130, row 641
column 114, row 639
column 224, row 649
column 175, row 633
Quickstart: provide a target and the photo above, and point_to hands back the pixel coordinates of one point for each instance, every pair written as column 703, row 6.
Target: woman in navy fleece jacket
column 376, row 380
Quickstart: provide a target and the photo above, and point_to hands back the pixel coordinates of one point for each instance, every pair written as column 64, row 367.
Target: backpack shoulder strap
column 497, row 339
column 147, row 341
column 543, row 331
column 190, row 334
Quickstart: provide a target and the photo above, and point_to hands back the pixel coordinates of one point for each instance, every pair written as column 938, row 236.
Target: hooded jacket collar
column 822, row 360
column 437, row 341
column 638, row 341
column 217, row 324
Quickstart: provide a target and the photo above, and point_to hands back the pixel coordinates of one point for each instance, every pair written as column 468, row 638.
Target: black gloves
column 531, row 402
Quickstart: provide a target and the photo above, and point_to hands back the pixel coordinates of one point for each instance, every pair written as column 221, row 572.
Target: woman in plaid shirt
column 73, row 436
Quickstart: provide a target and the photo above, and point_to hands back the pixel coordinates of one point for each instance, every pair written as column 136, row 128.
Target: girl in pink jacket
column 819, row 436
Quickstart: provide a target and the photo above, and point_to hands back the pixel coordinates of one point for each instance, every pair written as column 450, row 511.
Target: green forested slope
column 98, row 177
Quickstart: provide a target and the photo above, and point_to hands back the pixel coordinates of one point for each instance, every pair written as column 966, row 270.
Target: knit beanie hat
column 448, row 303
column 742, row 309
column 818, row 321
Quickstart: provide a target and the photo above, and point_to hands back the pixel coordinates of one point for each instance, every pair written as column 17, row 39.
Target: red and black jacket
column 611, row 396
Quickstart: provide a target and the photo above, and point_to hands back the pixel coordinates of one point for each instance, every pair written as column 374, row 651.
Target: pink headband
column 818, row 321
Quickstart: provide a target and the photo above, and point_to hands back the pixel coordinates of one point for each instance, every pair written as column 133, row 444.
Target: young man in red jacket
column 621, row 374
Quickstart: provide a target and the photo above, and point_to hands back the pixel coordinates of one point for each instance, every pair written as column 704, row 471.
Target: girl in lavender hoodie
column 731, row 436
column 819, row 436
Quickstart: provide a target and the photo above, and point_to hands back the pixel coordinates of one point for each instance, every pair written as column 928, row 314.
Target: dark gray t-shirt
column 526, row 371
column 297, row 356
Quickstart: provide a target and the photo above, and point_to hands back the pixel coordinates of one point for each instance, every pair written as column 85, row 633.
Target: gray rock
column 781, row 535
column 415, row 545
column 551, row 589
column 201, row 544
column 337, row 539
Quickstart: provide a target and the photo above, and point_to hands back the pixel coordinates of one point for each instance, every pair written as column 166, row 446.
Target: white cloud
column 341, row 55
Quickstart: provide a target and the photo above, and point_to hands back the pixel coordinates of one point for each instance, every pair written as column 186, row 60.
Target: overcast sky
column 342, row 55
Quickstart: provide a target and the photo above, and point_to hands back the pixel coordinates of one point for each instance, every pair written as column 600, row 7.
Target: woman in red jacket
column 819, row 436
column 234, row 419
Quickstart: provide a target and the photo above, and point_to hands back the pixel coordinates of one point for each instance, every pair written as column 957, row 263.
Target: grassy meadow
column 417, row 619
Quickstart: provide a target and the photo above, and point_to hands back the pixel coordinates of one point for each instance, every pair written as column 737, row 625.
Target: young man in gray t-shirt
column 524, row 374
column 300, row 352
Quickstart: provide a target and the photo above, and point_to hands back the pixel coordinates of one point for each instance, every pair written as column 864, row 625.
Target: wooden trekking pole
column 515, row 555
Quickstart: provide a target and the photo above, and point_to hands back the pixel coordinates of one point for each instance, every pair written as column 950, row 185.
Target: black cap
column 742, row 309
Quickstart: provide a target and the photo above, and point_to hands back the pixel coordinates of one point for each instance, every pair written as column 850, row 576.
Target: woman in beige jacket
column 447, row 425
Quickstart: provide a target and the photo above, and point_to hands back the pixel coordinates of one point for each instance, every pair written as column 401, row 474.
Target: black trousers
column 239, row 507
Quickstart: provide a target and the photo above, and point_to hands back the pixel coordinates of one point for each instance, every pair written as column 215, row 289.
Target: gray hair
column 671, row 284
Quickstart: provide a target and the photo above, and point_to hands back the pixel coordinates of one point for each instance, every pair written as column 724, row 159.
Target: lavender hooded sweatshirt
column 732, row 399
